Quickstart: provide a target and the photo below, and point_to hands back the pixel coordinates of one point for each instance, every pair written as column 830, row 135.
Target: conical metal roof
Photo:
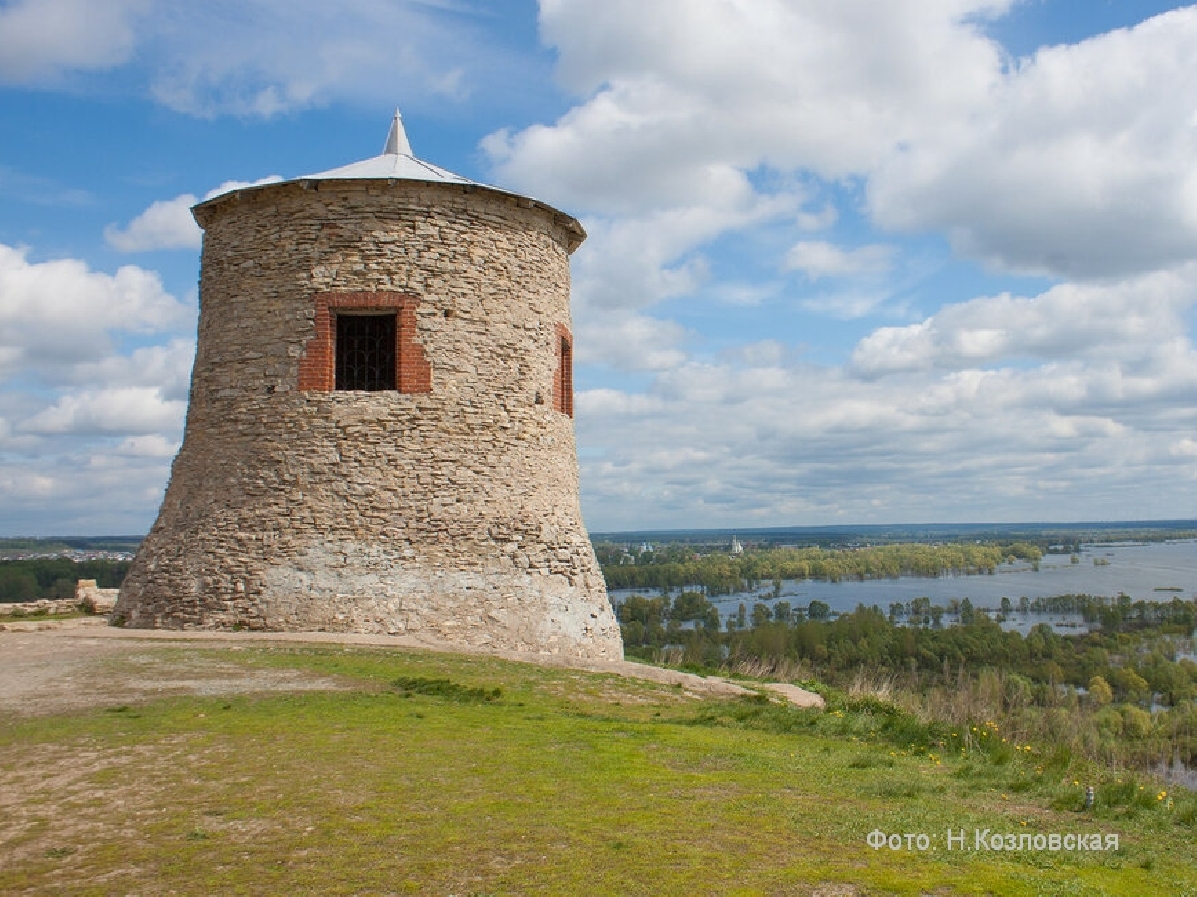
column 396, row 161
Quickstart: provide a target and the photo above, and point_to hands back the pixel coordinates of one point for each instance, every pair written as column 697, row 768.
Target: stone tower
column 380, row 433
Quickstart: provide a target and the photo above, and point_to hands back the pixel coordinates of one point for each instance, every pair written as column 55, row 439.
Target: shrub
column 444, row 688
column 1136, row 723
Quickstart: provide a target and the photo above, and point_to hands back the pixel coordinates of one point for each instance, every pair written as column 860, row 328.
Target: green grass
column 441, row 774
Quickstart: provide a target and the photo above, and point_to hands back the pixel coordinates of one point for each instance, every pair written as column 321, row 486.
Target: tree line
column 1125, row 692
column 35, row 578
column 676, row 567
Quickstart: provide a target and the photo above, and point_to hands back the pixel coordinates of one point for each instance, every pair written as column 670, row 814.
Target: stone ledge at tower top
column 445, row 510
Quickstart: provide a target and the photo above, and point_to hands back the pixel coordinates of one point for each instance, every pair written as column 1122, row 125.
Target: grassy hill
column 440, row 774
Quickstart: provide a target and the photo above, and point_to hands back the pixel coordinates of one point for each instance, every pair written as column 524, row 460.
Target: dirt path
column 57, row 666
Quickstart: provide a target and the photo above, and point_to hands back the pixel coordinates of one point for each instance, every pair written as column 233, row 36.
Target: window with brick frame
column 365, row 341
column 563, row 377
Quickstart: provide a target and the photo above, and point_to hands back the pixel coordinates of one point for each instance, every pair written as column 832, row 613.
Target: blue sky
column 852, row 262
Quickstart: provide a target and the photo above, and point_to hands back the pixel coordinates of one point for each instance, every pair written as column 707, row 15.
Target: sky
column 849, row 261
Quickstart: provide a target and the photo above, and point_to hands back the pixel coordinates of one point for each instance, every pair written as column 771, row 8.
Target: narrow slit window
column 565, row 377
column 365, row 352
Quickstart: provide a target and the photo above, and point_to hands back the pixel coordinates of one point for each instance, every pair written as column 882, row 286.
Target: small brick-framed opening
column 365, row 352
column 345, row 351
column 563, row 376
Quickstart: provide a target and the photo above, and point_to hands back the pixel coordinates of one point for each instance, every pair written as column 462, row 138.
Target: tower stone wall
column 446, row 508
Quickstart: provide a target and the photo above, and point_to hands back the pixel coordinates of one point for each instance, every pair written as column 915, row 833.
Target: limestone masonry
column 380, row 435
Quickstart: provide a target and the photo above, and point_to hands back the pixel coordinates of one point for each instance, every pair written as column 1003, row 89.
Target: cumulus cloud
column 1082, row 163
column 59, row 313
column 43, row 40
column 81, row 488
column 1126, row 319
column 1073, row 403
column 168, row 223
column 703, row 129
column 686, row 92
column 1076, row 162
column 94, row 370
column 629, row 341
column 778, row 442
column 705, row 119
column 128, row 409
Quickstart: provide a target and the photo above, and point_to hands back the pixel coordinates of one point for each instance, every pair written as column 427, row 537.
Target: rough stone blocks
column 447, row 507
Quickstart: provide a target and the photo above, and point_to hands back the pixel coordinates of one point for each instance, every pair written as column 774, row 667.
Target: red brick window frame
column 563, row 374
column 318, row 365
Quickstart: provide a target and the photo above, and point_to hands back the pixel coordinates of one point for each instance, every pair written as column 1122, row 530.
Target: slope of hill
column 389, row 771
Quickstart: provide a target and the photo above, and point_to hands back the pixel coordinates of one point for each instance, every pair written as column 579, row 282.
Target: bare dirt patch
column 74, row 667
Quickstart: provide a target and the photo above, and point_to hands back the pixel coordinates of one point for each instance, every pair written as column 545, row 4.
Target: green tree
column 1100, row 692
column 817, row 610
column 1136, row 722
column 967, row 615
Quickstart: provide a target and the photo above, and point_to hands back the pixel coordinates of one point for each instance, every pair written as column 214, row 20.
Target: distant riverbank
column 1153, row 571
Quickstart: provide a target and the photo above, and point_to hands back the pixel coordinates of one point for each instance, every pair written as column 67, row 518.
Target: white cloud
column 1125, row 320
column 786, row 443
column 69, row 492
column 42, row 40
column 1078, row 162
column 94, row 372
column 846, row 304
column 137, row 409
column 704, row 129
column 684, row 93
column 1082, row 162
column 628, row 341
column 817, row 259
column 149, row 445
column 59, row 313
column 999, row 406
column 166, row 367
column 707, row 118
column 168, row 223
column 633, row 262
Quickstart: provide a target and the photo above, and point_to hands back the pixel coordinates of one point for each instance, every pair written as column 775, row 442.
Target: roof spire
column 397, row 144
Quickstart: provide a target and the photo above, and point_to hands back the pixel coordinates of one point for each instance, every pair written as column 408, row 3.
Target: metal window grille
column 365, row 351
column 567, row 377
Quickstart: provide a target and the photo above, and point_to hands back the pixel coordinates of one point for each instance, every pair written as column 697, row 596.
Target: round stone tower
column 380, row 433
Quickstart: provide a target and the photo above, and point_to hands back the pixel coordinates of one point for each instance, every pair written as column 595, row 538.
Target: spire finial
column 397, row 144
